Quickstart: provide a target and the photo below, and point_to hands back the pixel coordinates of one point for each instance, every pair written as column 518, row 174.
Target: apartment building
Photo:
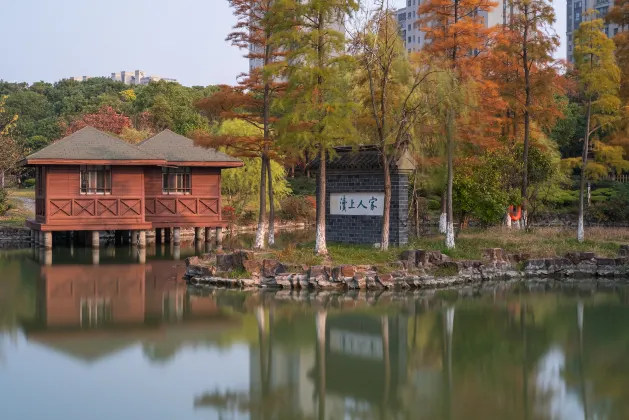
column 576, row 9
column 410, row 29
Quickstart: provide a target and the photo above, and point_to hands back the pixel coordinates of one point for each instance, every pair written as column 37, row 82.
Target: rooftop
column 361, row 158
column 176, row 148
column 91, row 146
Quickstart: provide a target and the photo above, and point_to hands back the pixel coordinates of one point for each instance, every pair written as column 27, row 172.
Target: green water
column 129, row 340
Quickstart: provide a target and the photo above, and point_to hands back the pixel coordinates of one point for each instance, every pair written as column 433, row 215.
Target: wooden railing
column 181, row 205
column 101, row 207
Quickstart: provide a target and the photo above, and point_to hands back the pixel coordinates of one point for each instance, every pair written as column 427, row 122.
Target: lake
column 127, row 339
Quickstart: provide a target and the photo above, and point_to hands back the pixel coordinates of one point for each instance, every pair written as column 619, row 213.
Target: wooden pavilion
column 91, row 181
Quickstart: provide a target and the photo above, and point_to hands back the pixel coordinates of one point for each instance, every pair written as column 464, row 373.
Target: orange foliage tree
column 523, row 61
column 259, row 21
column 105, row 119
column 458, row 39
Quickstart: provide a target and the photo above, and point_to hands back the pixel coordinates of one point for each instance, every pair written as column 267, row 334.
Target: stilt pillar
column 47, row 243
column 47, row 256
column 176, row 252
column 177, row 236
column 142, row 239
column 142, row 255
column 158, row 236
column 134, row 238
column 95, row 239
column 33, row 236
column 40, row 238
column 167, row 235
column 95, row 256
column 208, row 235
column 197, row 234
column 219, row 237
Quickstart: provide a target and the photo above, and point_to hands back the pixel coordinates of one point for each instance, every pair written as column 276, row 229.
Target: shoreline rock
column 418, row 269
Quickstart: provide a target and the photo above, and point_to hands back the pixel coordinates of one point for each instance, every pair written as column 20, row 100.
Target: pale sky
column 184, row 39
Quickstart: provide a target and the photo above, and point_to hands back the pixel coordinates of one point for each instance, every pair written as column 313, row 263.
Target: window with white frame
column 95, row 179
column 176, row 181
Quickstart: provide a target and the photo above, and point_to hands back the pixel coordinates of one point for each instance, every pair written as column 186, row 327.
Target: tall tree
column 316, row 106
column 599, row 79
column 259, row 22
column 619, row 14
column 389, row 88
column 10, row 152
column 456, row 36
column 531, row 41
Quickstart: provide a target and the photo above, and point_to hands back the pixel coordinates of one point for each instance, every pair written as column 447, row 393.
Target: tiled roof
column 361, row 158
column 176, row 148
column 90, row 144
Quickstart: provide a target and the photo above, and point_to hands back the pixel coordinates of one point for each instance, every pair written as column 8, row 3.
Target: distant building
column 136, row 77
column 414, row 38
column 575, row 10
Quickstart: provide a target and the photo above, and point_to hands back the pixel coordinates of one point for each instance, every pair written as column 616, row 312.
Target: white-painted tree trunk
column 450, row 236
column 443, row 223
column 508, row 220
column 580, row 229
column 260, row 234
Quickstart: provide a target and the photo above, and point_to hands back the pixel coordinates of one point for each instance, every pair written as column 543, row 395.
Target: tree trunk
column 271, row 239
column 586, row 140
column 1, row 179
column 386, row 216
column 262, row 220
column 320, row 242
column 450, row 218
column 443, row 218
column 527, row 117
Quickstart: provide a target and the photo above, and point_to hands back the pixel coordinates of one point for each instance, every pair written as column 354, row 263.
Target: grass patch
column 237, row 274
column 543, row 242
column 445, row 271
column 19, row 212
column 22, row 192
column 539, row 243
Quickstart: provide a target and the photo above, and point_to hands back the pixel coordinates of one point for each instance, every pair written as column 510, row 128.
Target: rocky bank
column 415, row 269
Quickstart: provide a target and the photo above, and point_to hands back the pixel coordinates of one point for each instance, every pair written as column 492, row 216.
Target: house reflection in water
column 92, row 311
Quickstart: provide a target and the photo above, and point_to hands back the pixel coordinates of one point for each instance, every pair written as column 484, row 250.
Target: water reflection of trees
column 443, row 356
column 488, row 365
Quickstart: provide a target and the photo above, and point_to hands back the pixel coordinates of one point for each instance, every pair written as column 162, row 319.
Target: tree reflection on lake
column 124, row 339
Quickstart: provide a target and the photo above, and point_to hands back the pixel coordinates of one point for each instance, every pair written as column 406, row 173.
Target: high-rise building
column 410, row 29
column 576, row 9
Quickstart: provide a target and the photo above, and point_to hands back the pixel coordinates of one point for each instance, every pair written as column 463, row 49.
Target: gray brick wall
column 367, row 229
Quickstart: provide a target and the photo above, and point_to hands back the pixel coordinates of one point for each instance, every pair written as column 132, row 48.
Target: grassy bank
column 546, row 242
column 21, row 201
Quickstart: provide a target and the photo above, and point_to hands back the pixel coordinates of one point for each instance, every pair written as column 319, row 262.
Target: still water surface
column 125, row 340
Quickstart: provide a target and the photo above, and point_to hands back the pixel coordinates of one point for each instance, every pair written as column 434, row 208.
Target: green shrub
column 302, row 185
column 29, row 183
column 5, row 206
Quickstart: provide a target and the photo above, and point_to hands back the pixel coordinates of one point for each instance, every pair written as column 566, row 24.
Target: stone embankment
column 415, row 269
column 14, row 237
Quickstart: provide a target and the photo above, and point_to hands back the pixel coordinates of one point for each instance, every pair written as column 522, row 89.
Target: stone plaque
column 357, row 204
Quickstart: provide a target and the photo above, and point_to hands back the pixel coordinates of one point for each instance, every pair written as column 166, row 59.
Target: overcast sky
column 184, row 39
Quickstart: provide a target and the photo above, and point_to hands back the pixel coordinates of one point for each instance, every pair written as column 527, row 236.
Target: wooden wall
column 67, row 208
column 202, row 208
column 136, row 201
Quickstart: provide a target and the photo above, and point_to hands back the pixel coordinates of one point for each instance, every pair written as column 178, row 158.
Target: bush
column 302, row 185
column 229, row 213
column 29, row 183
column 5, row 206
column 298, row 208
column 248, row 217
